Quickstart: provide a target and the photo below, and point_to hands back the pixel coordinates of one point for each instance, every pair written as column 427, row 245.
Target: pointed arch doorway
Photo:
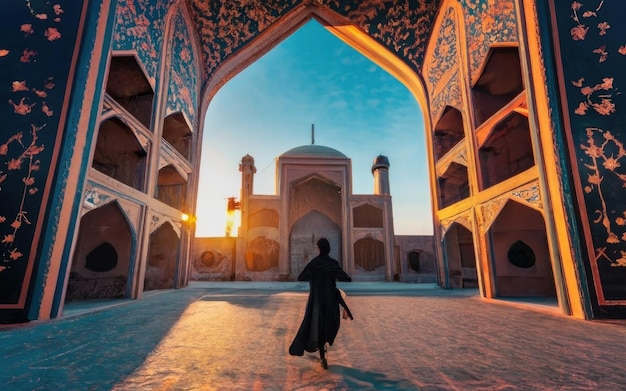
column 356, row 39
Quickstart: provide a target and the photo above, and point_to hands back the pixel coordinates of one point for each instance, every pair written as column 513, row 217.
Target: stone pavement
column 235, row 336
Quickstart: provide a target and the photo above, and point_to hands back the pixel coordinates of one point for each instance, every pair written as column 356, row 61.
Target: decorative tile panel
column 464, row 218
column 445, row 53
column 37, row 42
column 183, row 82
column 593, row 51
column 140, row 26
column 402, row 27
column 487, row 22
column 449, row 95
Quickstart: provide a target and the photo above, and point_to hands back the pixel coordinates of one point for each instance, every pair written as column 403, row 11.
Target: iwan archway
column 519, row 143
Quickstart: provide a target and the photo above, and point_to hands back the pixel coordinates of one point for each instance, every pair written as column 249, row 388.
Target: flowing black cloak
column 321, row 318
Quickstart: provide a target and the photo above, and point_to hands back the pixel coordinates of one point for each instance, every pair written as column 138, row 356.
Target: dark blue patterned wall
column 183, row 83
column 36, row 51
column 593, row 51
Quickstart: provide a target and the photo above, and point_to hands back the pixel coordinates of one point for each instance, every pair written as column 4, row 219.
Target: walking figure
column 321, row 318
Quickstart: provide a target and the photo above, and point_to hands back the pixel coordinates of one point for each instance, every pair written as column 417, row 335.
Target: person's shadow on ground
column 364, row 380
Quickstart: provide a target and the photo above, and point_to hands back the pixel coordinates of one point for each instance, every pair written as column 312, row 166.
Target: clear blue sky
column 358, row 108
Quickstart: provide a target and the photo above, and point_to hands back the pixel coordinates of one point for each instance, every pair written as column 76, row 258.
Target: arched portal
column 347, row 32
column 230, row 35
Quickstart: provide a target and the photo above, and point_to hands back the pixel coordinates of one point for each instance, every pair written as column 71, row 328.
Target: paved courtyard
column 235, row 336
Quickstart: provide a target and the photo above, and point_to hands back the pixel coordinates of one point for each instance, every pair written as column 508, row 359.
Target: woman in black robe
column 321, row 318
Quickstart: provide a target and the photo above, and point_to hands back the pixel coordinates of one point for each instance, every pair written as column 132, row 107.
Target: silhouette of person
column 321, row 318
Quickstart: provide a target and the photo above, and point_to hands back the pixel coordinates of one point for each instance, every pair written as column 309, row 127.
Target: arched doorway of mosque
column 305, row 233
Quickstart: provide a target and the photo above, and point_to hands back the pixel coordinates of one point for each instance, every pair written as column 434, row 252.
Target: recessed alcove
column 367, row 216
column 178, row 134
column 101, row 262
column 448, row 132
column 520, row 252
column 453, row 185
column 499, row 82
column 163, row 253
column 369, row 255
column 507, row 151
column 128, row 85
column 119, row 155
column 458, row 245
column 171, row 187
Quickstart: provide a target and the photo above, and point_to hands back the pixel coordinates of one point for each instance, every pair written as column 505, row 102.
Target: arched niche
column 315, row 193
column 171, row 187
column 128, row 85
column 499, row 83
column 163, row 252
column 119, row 155
column 178, row 134
column 448, row 132
column 458, row 245
column 520, row 252
column 369, row 257
column 507, row 151
column 102, row 257
column 453, row 185
column 367, row 216
column 304, row 235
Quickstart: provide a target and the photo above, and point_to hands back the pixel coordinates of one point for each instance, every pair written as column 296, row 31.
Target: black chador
column 321, row 319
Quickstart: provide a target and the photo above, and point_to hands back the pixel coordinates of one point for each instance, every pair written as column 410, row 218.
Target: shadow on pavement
column 359, row 380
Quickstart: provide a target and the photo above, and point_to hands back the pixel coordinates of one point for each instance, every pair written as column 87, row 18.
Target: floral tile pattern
column 184, row 76
column 593, row 51
column 442, row 73
column 445, row 52
column 226, row 26
column 487, row 22
column 36, row 49
column 139, row 26
column 450, row 95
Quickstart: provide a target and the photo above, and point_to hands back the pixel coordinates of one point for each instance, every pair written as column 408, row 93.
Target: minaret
column 380, row 170
column 247, row 169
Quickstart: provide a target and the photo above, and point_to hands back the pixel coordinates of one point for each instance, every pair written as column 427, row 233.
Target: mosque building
column 314, row 199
